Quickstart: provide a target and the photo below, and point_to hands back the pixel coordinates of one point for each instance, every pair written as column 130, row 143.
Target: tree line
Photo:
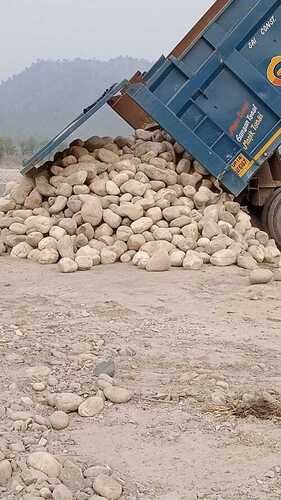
column 20, row 149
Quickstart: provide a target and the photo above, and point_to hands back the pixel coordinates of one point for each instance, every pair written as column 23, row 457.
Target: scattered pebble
column 59, row 420
column 261, row 276
column 106, row 367
column 44, row 462
column 91, row 407
column 117, row 394
column 61, row 492
column 5, row 472
column 71, row 476
column 45, row 493
column 67, row 402
column 39, row 386
column 107, row 487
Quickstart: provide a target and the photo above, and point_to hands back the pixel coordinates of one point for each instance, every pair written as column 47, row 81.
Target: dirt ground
column 178, row 340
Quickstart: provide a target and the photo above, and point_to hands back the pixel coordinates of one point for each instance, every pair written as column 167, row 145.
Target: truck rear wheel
column 265, row 210
column 272, row 216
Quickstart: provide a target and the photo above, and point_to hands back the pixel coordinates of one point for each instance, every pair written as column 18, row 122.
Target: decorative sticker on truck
column 274, row 71
column 246, row 125
column 241, row 165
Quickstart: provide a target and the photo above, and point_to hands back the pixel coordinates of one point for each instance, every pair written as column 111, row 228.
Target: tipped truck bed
column 126, row 107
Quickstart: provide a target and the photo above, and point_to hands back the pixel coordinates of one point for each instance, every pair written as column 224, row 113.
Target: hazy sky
column 65, row 29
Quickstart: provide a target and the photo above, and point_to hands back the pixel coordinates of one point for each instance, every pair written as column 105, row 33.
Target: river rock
column 91, row 407
column 105, row 367
column 91, row 210
column 193, row 261
column 5, row 472
column 112, row 219
column 64, row 189
column 69, row 225
column 57, row 232
column 61, row 492
column 44, row 462
column 67, row 402
column 141, row 225
column 22, row 189
column 84, row 262
column 21, row 250
column 246, row 261
column 67, row 265
column 117, row 394
column 107, row 256
column 47, row 243
column 49, row 256
column 133, row 187
column 141, row 259
column 43, row 187
column 130, row 210
column 59, row 420
column 106, row 156
column 33, row 239
column 160, row 261
column 261, row 276
column 107, row 487
column 6, row 205
column 71, row 476
column 65, row 247
column 38, row 223
column 224, row 258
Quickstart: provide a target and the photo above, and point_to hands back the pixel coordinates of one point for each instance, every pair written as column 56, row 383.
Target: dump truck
column 218, row 94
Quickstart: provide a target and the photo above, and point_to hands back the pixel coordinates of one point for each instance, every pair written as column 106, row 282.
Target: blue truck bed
column 218, row 92
column 221, row 98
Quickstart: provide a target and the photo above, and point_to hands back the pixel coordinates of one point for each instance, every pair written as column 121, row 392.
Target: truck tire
column 265, row 210
column 274, row 217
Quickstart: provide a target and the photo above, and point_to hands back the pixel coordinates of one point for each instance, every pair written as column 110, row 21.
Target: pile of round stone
column 140, row 199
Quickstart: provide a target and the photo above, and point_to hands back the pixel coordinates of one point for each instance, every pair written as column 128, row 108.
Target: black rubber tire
column 265, row 211
column 274, row 218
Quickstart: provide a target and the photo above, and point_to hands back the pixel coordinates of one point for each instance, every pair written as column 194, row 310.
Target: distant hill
column 42, row 99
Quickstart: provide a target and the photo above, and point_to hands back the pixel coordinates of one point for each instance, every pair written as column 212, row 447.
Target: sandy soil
column 178, row 339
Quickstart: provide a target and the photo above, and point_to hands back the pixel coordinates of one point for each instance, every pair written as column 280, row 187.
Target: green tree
column 7, row 147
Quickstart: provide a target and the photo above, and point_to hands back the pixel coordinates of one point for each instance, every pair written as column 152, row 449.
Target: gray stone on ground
column 44, row 462
column 5, row 472
column 71, row 476
column 66, row 401
column 224, row 258
column 261, row 276
column 106, row 366
column 67, row 265
column 277, row 275
column 117, row 395
column 91, row 407
column 159, row 262
column 107, row 487
column 59, row 420
column 61, row 492
column 84, row 262
column 247, row 262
